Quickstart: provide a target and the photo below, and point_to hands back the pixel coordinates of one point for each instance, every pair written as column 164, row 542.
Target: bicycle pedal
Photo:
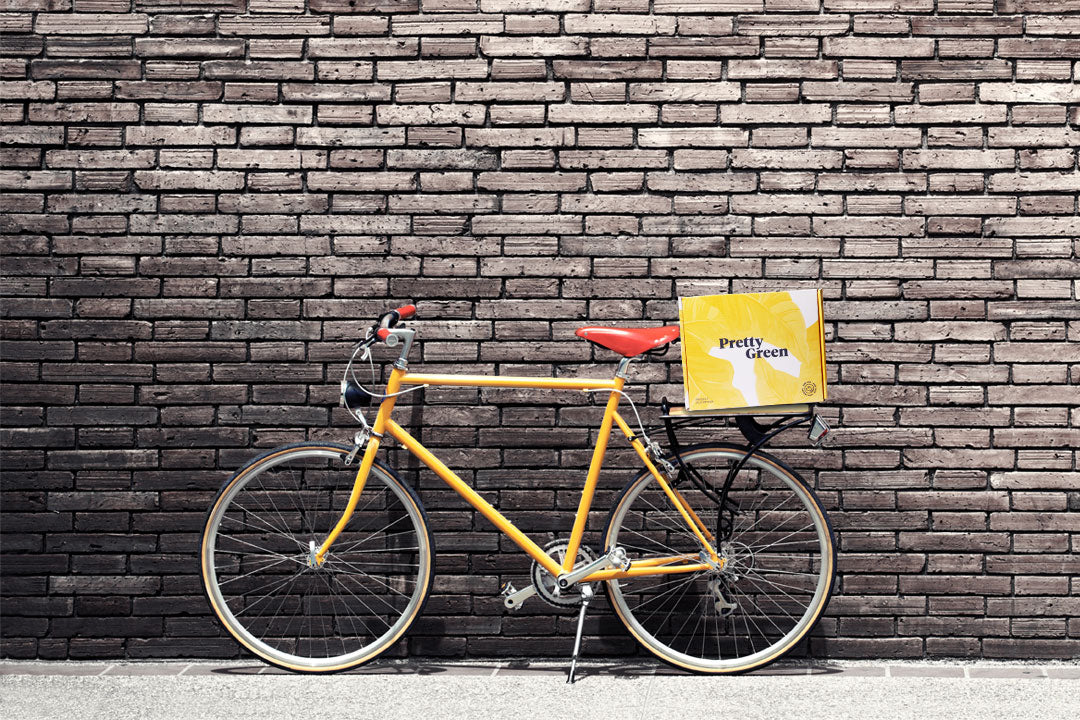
column 513, row 598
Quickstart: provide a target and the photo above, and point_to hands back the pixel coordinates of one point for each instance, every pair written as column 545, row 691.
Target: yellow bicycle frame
column 384, row 425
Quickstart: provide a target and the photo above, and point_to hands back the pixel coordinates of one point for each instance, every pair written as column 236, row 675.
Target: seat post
column 620, row 371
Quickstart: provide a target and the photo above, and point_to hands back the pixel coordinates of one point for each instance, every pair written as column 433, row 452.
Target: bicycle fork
column 318, row 557
column 367, row 443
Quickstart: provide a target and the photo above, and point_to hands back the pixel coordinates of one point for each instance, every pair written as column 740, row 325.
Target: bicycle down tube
column 385, row 425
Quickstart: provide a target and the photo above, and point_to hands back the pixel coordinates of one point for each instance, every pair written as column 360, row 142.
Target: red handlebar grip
column 406, row 311
column 382, row 333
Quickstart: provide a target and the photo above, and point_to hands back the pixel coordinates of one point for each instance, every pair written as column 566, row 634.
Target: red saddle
column 629, row 342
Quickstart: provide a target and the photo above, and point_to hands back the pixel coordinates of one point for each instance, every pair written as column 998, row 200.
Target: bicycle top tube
column 508, row 381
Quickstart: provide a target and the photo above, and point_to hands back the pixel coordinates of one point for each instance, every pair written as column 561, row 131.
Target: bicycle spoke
column 266, row 551
column 376, row 550
column 284, row 524
column 376, row 532
column 281, row 603
column 296, row 613
column 784, row 572
column 766, row 615
column 747, row 620
column 664, row 513
column 662, row 545
column 751, row 574
column 373, row 595
column 301, row 507
column 353, row 616
column 265, row 525
column 763, row 614
column 716, row 621
column 688, row 616
column 333, row 609
column 807, row 527
column 683, row 529
column 256, row 570
column 269, row 594
column 251, row 554
column 760, row 518
column 758, row 548
column 685, row 587
column 361, row 572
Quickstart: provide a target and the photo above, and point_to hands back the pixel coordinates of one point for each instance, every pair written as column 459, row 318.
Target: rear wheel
column 261, row 533
column 774, row 584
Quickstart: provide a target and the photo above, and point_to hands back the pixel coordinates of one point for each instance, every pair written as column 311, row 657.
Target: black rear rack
column 757, row 435
column 678, row 416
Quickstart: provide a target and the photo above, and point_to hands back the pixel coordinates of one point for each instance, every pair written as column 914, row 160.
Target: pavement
column 517, row 690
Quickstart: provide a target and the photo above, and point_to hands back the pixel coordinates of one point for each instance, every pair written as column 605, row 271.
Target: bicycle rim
column 261, row 532
column 775, row 583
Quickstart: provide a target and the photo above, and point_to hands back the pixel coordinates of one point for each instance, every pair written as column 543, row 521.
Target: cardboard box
column 752, row 349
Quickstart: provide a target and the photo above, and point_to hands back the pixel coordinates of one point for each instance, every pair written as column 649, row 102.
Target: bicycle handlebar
column 396, row 315
column 405, row 312
column 381, row 329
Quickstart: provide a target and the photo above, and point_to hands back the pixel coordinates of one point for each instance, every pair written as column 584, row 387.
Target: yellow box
column 752, row 349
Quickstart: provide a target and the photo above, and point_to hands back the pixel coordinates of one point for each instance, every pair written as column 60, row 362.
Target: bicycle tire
column 649, row 524
column 342, row 582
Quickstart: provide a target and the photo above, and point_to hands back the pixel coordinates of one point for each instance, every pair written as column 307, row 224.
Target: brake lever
column 371, row 336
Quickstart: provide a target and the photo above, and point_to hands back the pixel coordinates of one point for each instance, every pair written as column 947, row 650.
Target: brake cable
column 365, row 345
column 651, row 446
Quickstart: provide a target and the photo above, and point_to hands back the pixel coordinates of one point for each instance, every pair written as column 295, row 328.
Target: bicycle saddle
column 629, row 342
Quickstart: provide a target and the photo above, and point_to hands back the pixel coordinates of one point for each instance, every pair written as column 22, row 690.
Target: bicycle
column 717, row 557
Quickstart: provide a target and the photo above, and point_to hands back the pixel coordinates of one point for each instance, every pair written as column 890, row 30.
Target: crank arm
column 513, row 600
column 616, row 558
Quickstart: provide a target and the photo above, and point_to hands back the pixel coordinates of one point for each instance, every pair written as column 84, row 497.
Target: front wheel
column 261, row 533
column 775, row 581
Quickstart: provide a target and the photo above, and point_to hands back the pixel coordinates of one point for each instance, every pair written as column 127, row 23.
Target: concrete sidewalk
column 838, row 690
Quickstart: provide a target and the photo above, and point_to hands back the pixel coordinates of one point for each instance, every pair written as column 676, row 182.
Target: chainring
column 546, row 588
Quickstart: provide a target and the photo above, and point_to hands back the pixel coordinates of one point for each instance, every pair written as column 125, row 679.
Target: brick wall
column 207, row 200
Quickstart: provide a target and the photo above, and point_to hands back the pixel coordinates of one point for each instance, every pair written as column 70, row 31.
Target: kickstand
column 586, row 596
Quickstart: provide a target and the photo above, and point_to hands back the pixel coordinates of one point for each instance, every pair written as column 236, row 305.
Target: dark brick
column 207, row 203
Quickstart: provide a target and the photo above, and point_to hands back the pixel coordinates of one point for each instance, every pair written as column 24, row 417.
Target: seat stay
column 688, row 515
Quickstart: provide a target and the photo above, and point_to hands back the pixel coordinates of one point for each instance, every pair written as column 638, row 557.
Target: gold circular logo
column 808, row 388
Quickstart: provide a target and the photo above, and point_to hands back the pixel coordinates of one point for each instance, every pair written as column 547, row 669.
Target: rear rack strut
column 756, row 434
